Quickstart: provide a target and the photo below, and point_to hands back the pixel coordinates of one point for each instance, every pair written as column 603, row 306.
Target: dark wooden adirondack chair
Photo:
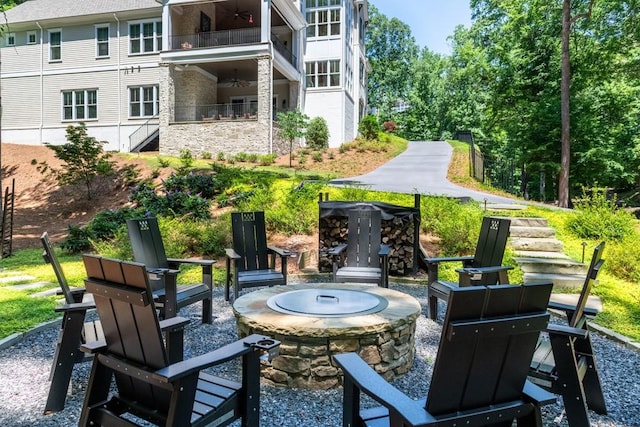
column 132, row 375
column 74, row 331
column 367, row 259
column 483, row 268
column 252, row 262
column 148, row 249
column 479, row 376
column 565, row 364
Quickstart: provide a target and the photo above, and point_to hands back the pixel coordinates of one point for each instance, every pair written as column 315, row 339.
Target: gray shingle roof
column 40, row 10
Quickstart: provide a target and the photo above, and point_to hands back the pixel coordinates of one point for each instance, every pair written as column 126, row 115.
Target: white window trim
column 35, row 37
column 316, row 21
column 10, row 37
column 327, row 74
column 96, row 28
column 156, row 101
column 51, row 31
column 75, row 118
column 156, row 48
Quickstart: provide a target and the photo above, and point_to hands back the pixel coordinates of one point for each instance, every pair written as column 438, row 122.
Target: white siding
column 329, row 106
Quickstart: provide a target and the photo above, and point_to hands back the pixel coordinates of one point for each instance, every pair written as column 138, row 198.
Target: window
column 143, row 101
column 325, row 21
column 145, row 37
column 31, row 37
column 323, row 73
column 102, row 40
column 80, row 104
column 11, row 39
column 55, row 47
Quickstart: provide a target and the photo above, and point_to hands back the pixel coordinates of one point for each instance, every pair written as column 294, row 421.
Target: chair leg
column 227, row 283
column 66, row 356
column 351, row 403
column 207, row 279
column 97, row 391
column 251, row 388
column 591, row 381
column 433, row 307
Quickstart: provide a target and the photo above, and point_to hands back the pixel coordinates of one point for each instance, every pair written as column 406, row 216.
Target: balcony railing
column 284, row 50
column 212, row 112
column 216, row 39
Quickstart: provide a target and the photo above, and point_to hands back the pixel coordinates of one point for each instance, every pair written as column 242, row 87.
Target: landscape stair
column 539, row 254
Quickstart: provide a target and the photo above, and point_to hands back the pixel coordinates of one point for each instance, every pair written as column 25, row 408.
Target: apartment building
column 207, row 76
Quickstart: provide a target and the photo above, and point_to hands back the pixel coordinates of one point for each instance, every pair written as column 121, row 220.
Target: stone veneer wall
column 306, row 362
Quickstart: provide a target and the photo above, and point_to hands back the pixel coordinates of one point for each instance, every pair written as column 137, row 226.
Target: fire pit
column 316, row 321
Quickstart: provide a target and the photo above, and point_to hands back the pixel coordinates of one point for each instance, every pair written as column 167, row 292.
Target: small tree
column 83, row 159
column 369, row 127
column 318, row 133
column 292, row 125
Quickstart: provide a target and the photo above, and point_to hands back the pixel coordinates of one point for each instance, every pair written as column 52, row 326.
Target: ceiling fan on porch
column 241, row 14
column 237, row 82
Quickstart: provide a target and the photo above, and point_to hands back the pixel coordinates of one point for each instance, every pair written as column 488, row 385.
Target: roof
column 43, row 10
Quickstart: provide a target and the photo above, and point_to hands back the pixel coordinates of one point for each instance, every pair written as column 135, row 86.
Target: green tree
column 292, row 125
column 317, row 133
column 83, row 160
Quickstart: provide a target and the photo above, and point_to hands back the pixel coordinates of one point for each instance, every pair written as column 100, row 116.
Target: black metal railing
column 215, row 39
column 212, row 112
column 284, row 50
column 143, row 132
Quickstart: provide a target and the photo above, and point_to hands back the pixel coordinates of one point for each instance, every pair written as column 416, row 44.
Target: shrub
column 598, row 217
column 164, row 163
column 389, row 126
column 456, row 224
column 252, row 158
column 220, row 156
column 317, row 156
column 240, row 157
column 318, row 133
column 206, row 155
column 368, row 127
column 267, row 159
column 186, row 162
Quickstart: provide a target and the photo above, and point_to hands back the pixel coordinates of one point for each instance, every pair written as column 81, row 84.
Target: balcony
column 213, row 112
column 212, row 39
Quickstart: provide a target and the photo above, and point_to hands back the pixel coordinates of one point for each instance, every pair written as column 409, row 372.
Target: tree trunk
column 565, row 88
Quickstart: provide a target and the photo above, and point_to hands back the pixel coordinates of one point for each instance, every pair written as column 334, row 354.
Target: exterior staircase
column 539, row 254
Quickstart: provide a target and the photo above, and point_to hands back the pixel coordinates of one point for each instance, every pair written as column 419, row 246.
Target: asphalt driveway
column 421, row 168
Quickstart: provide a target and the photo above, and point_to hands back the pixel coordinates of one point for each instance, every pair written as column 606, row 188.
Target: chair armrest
column 162, row 271
column 372, row 384
column 221, row 355
column 554, row 329
column 202, row 262
column 231, row 254
column 538, row 395
column 173, row 323
column 483, row 270
column 280, row 251
column 384, row 250
column 78, row 306
column 337, row 250
column 93, row 347
column 431, row 260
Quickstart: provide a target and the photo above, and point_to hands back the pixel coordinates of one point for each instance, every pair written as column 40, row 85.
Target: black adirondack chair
column 131, row 372
column 565, row 364
column 480, row 373
column 252, row 262
column 367, row 259
column 74, row 331
column 148, row 249
column 483, row 268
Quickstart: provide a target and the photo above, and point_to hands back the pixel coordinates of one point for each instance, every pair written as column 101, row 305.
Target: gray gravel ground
column 24, row 371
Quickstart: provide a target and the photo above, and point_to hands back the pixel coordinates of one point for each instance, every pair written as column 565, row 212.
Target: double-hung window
column 323, row 18
column 143, row 101
column 80, row 104
column 55, row 45
column 32, row 37
column 102, row 41
column 10, row 39
column 323, row 73
column 145, row 37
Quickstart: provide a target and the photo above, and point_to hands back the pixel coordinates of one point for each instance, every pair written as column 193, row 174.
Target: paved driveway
column 421, row 168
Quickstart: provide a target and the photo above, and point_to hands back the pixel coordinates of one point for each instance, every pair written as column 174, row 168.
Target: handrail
column 143, row 132
column 215, row 39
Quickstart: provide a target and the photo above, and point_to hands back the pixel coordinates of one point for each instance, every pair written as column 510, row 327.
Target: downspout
column 41, row 79
column 119, row 84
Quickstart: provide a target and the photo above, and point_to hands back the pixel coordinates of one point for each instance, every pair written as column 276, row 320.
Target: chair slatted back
column 491, row 245
column 146, row 242
column 124, row 303
column 364, row 238
column 250, row 240
column 50, row 257
column 488, row 339
column 592, row 274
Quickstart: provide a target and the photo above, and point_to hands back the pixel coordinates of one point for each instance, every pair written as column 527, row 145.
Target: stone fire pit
column 379, row 325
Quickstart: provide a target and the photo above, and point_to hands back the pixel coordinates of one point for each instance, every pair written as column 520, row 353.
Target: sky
column 431, row 21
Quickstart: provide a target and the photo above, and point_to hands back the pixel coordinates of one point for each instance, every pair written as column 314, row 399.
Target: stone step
column 529, row 222
column 551, row 265
column 560, row 281
column 545, row 244
column 531, row 232
column 541, row 254
column 16, row 278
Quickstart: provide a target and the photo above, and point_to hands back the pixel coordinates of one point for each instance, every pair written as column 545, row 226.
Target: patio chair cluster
column 498, row 359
